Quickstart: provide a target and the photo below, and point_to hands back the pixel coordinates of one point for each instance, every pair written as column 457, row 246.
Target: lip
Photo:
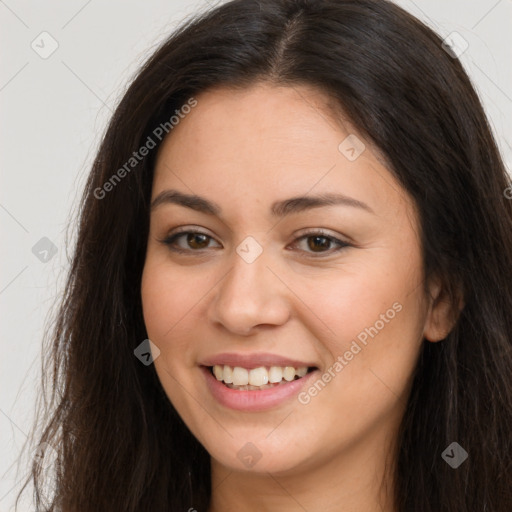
column 250, row 361
column 254, row 401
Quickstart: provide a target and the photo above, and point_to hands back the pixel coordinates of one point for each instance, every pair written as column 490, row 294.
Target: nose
column 250, row 296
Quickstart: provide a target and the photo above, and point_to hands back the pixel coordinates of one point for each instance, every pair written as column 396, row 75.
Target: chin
column 257, row 451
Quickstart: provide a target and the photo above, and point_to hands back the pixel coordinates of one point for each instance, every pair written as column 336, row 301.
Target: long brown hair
column 118, row 441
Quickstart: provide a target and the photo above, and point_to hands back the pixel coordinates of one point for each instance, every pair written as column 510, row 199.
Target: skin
column 244, row 150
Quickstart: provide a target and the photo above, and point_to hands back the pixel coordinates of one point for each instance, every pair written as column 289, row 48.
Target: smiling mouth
column 255, row 379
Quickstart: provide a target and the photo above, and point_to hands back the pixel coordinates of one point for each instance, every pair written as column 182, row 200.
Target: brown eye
column 197, row 240
column 321, row 243
column 194, row 241
column 318, row 243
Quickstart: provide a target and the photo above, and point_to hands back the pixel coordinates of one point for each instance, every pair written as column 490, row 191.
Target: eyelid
column 175, row 234
column 188, row 229
column 321, row 232
column 339, row 243
column 305, row 233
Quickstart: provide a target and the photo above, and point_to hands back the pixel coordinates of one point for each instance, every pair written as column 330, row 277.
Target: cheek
column 166, row 302
column 375, row 316
column 158, row 304
column 167, row 297
column 349, row 299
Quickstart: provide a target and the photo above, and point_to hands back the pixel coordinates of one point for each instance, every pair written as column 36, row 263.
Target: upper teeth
column 257, row 376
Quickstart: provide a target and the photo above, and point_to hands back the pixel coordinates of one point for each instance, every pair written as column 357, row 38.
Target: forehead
column 266, row 143
column 260, row 116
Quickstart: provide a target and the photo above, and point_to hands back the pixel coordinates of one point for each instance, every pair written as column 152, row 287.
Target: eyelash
column 171, row 239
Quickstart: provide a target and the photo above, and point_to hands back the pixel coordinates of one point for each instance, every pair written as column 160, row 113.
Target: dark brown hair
column 119, row 442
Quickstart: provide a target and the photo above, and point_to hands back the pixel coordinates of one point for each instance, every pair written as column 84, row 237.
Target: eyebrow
column 278, row 209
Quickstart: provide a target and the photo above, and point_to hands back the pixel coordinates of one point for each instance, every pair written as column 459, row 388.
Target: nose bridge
column 250, row 294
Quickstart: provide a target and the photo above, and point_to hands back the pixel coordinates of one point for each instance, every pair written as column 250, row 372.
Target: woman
column 291, row 288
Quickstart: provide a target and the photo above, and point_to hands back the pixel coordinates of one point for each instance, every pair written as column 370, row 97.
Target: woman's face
column 266, row 286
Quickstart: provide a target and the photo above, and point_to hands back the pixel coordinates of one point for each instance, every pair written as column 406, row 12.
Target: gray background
column 53, row 113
